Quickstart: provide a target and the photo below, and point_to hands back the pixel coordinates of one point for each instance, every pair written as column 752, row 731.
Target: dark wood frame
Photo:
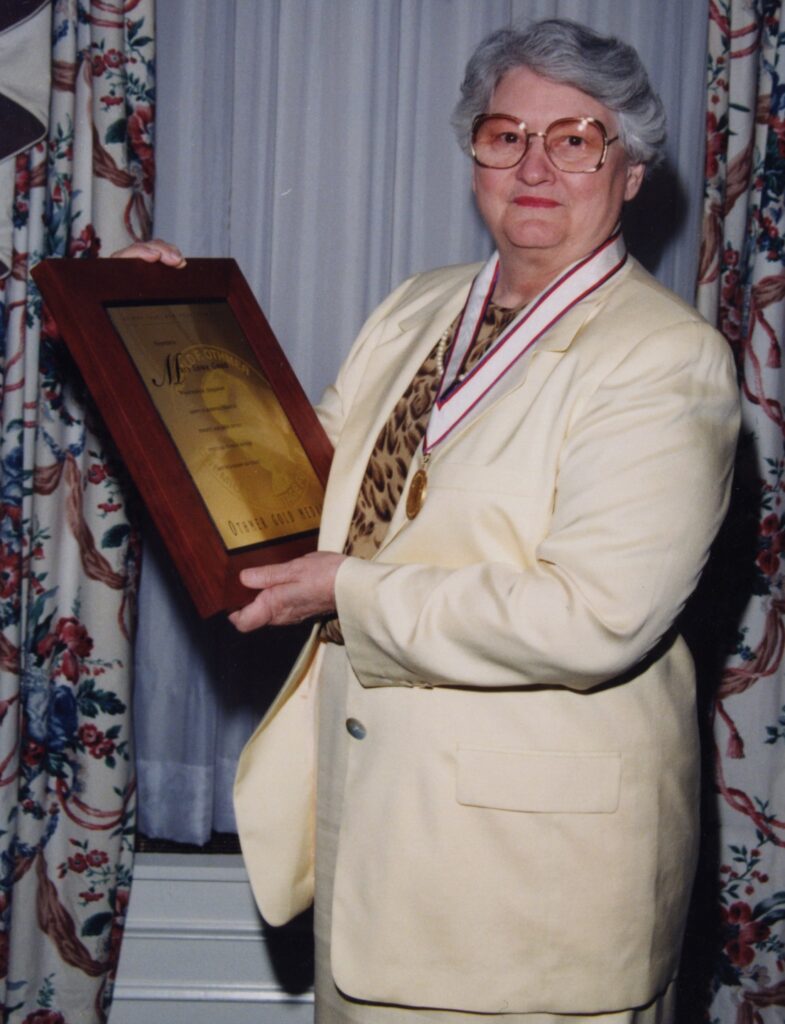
column 76, row 293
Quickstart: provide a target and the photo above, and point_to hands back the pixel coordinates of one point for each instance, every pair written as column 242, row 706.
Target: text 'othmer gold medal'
column 224, row 418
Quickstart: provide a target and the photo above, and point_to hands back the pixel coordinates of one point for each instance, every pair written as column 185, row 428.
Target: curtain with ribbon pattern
column 67, row 553
column 742, row 290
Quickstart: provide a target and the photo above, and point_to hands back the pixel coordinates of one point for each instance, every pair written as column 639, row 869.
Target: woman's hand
column 154, row 251
column 289, row 593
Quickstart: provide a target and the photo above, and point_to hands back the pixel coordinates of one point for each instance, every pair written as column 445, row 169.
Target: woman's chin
column 535, row 235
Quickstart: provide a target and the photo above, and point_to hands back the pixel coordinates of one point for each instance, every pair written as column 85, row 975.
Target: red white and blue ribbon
column 454, row 404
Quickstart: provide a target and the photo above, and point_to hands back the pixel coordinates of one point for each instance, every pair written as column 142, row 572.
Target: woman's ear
column 635, row 174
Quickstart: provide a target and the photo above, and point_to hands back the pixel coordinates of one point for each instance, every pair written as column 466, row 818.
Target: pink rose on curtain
column 45, row 1017
column 743, row 932
column 73, row 637
column 715, row 144
column 86, row 243
column 140, row 125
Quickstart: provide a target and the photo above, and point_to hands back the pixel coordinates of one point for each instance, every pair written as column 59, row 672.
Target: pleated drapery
column 67, row 554
column 742, row 290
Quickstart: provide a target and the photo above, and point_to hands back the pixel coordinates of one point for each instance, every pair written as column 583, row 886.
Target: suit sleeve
column 643, row 485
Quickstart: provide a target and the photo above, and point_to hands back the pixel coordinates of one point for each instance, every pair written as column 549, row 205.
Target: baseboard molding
column 215, row 993
column 196, row 949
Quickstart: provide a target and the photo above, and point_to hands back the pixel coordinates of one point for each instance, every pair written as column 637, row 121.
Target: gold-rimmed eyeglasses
column 577, row 145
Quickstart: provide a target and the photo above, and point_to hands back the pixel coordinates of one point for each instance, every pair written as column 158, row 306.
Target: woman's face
column 535, row 211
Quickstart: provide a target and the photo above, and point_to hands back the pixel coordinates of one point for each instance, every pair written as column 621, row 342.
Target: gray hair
column 601, row 66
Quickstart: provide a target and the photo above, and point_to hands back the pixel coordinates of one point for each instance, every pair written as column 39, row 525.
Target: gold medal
column 418, row 488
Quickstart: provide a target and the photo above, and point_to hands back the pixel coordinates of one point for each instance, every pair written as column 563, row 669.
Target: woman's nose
column 535, row 166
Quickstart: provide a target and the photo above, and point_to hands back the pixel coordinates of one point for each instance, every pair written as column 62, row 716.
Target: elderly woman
column 532, row 458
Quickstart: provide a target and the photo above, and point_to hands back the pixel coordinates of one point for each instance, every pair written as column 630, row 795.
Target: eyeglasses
column 577, row 145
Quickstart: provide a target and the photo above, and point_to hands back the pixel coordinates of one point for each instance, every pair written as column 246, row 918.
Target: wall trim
column 194, row 938
column 216, row 993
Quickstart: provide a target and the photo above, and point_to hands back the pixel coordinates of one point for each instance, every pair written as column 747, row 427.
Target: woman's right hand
column 154, row 251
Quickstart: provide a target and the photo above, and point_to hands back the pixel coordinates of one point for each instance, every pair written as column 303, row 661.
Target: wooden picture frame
column 217, row 434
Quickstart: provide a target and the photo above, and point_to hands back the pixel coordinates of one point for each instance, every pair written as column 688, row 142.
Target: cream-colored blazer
column 519, row 824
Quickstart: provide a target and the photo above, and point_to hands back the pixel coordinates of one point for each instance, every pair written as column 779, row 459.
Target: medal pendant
column 418, row 488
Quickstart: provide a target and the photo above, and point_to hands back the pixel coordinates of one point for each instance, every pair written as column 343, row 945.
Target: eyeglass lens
column 573, row 144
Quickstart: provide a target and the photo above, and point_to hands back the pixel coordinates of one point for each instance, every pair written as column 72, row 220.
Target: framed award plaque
column 223, row 445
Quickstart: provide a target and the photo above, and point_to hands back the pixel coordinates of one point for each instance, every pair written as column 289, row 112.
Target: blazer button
column 355, row 728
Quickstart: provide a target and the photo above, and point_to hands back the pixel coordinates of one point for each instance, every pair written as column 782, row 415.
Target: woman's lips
column 536, row 201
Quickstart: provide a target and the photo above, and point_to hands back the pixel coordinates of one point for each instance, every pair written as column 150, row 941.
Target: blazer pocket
column 539, row 781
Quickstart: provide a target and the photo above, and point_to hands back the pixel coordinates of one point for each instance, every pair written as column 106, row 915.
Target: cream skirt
column 332, row 1007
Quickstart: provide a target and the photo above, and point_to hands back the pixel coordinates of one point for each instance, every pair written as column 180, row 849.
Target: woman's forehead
column 526, row 94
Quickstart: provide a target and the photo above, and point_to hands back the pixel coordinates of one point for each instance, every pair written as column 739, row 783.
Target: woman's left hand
column 154, row 251
column 289, row 593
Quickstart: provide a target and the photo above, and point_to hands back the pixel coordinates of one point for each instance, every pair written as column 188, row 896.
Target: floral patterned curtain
column 742, row 289
column 67, row 553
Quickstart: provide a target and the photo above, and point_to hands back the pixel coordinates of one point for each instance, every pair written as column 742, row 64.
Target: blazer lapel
column 395, row 360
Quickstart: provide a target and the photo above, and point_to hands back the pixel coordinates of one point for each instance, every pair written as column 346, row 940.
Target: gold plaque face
column 224, row 418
